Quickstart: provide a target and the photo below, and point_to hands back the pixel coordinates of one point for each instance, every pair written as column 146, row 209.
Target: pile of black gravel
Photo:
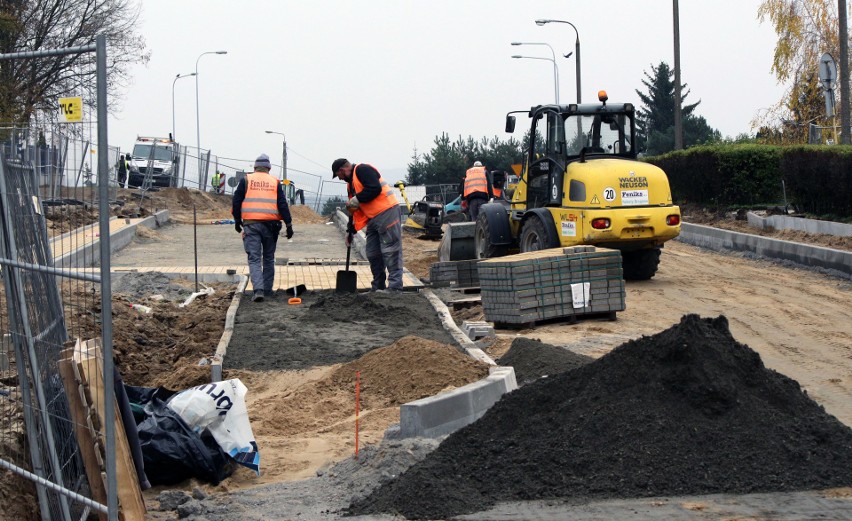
column 533, row 359
column 686, row 411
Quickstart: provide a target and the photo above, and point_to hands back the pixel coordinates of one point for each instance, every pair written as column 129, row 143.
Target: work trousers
column 384, row 249
column 259, row 242
column 473, row 207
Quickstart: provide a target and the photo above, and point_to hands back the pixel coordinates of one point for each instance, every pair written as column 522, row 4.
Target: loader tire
column 534, row 236
column 640, row 265
column 485, row 249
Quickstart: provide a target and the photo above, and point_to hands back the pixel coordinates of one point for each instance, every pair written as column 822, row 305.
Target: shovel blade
column 347, row 282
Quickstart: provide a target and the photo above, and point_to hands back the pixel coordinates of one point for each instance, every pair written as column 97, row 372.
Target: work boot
column 257, row 297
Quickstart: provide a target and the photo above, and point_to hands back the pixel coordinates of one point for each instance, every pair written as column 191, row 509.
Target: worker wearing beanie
column 375, row 208
column 259, row 207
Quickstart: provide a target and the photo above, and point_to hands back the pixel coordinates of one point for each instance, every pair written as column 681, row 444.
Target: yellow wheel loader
column 424, row 217
column 582, row 184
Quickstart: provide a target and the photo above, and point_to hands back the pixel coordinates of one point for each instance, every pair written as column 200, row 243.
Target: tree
column 448, row 161
column 806, row 29
column 29, row 85
column 655, row 120
column 332, row 204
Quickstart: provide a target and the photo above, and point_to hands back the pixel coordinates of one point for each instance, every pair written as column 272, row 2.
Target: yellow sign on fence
column 71, row 110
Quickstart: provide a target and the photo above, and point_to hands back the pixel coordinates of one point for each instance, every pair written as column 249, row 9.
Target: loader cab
column 563, row 134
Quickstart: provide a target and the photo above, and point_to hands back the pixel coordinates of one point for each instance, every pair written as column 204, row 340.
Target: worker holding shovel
column 259, row 207
column 375, row 208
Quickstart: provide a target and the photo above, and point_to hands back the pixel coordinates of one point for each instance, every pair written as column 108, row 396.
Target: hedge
column 817, row 179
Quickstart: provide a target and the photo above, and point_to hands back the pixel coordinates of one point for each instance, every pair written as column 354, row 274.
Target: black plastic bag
column 172, row 451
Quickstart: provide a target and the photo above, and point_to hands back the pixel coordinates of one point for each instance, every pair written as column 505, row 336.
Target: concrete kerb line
column 804, row 254
column 222, row 348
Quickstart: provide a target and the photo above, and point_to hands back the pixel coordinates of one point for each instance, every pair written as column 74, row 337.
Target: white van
column 157, row 155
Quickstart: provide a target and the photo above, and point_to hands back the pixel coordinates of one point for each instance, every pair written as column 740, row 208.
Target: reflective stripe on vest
column 475, row 181
column 382, row 202
column 261, row 202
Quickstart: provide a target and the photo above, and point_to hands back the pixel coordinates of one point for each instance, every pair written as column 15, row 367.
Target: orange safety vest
column 475, row 181
column 370, row 209
column 261, row 202
column 498, row 192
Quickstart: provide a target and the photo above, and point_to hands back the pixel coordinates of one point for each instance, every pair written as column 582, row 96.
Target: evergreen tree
column 655, row 119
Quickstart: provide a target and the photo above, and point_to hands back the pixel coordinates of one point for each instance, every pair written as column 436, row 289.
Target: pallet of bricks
column 463, row 274
column 551, row 284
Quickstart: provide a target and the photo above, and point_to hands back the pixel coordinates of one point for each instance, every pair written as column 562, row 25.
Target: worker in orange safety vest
column 375, row 209
column 259, row 207
column 475, row 189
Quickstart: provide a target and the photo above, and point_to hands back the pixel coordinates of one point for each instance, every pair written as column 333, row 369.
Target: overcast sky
column 373, row 80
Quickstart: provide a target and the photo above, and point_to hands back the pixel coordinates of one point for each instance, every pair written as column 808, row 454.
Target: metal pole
column 541, row 22
column 106, row 285
column 678, row 115
column 284, row 156
column 179, row 76
column 555, row 73
column 845, row 114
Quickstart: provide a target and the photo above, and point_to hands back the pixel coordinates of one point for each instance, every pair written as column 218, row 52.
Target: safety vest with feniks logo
column 261, row 202
column 382, row 202
column 475, row 181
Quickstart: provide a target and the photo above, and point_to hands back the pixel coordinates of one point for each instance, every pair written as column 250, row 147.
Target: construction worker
column 215, row 182
column 123, row 169
column 498, row 178
column 259, row 206
column 475, row 189
column 374, row 207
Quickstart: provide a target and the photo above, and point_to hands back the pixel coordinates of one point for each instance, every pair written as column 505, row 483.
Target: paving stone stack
column 550, row 284
column 460, row 273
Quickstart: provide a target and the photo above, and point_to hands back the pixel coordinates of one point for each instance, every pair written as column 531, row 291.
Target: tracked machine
column 582, row 184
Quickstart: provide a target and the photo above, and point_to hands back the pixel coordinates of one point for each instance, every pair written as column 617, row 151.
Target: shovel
column 347, row 281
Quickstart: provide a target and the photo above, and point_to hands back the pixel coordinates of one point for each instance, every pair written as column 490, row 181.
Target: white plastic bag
column 220, row 407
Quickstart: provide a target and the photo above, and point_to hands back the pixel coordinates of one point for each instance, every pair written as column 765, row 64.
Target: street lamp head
column 221, row 52
column 269, row 131
column 517, row 56
column 516, row 43
column 541, row 22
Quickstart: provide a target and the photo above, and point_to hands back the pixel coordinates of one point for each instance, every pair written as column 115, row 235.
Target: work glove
column 353, row 203
column 238, row 226
column 289, row 231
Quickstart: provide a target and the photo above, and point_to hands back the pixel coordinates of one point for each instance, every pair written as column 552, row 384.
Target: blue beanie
column 263, row 162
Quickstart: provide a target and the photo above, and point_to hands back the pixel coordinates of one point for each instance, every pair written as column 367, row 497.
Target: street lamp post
column 576, row 51
column 202, row 183
column 555, row 72
column 179, row 76
column 555, row 68
column 283, row 153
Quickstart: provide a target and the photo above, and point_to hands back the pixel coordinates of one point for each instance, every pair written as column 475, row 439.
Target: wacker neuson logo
column 633, row 182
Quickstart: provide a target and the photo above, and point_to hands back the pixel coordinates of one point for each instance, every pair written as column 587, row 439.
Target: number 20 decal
column 609, row 194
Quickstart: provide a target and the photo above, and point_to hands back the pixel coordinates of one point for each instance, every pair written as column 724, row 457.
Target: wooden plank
column 82, row 423
column 131, row 505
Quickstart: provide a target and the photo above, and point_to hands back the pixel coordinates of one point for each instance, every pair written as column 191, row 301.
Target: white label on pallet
column 580, row 294
column 569, row 229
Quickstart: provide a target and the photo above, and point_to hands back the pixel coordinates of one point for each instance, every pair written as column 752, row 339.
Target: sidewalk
column 313, row 257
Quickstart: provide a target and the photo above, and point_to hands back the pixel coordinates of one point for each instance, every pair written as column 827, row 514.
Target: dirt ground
column 303, row 415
